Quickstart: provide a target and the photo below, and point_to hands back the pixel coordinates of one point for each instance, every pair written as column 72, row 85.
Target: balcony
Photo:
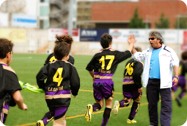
column 56, row 3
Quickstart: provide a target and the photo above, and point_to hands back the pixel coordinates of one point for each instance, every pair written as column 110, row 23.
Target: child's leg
column 59, row 116
column 96, row 106
column 46, row 119
column 107, row 111
column 125, row 102
column 183, row 89
column 93, row 108
column 135, row 107
column 4, row 113
column 60, row 122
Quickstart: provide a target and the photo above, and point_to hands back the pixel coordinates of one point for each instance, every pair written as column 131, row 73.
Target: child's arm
column 19, row 100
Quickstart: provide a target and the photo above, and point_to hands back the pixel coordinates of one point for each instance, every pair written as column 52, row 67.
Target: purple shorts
column 135, row 95
column 103, row 89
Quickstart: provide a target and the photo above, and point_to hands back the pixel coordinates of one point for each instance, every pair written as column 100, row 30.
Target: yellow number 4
column 58, row 76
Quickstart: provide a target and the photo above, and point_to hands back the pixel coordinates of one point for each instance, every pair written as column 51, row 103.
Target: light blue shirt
column 167, row 59
column 154, row 71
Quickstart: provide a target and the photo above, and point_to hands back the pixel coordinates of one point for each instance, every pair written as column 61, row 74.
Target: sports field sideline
column 26, row 67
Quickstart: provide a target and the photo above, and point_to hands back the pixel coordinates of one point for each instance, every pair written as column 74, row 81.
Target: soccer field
column 27, row 66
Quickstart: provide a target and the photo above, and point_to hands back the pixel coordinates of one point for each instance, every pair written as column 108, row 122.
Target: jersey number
column 58, row 76
column 52, row 59
column 102, row 61
column 129, row 68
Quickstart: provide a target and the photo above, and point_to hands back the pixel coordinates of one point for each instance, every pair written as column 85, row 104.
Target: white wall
column 31, row 7
column 37, row 41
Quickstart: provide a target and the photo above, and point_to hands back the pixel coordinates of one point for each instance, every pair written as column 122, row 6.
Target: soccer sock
column 106, row 116
column 47, row 118
column 134, row 110
column 96, row 107
column 124, row 103
column 4, row 112
column 3, row 117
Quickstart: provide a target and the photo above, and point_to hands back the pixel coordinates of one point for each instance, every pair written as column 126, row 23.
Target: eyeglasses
column 152, row 38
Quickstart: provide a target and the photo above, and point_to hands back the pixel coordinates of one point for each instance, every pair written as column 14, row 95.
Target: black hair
column 6, row 46
column 184, row 55
column 106, row 40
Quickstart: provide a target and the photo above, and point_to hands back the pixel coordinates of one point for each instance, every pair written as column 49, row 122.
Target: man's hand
column 131, row 39
column 175, row 81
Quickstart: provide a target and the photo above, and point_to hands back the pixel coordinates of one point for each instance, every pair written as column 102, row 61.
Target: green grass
column 27, row 66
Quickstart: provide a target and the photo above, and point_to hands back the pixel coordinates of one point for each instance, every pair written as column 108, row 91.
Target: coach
column 160, row 63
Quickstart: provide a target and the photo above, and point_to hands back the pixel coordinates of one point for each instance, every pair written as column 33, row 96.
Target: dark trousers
column 153, row 90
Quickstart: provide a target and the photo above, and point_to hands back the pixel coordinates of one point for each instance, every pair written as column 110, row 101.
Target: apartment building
column 57, row 13
column 108, row 13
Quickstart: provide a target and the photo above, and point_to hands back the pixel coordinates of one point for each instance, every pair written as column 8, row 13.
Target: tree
column 162, row 23
column 136, row 21
column 181, row 23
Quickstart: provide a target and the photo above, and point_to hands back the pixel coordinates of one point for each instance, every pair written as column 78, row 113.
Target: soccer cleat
column 116, row 107
column 131, row 121
column 178, row 102
column 88, row 114
column 40, row 123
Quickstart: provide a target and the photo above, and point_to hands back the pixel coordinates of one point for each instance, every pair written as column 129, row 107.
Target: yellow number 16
column 129, row 69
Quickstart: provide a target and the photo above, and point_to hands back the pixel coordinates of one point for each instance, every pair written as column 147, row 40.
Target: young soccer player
column 182, row 79
column 62, row 38
column 59, row 80
column 101, row 68
column 10, row 94
column 132, row 88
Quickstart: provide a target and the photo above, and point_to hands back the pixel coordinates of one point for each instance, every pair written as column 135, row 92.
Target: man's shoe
column 88, row 114
column 178, row 102
column 116, row 107
column 131, row 121
column 39, row 123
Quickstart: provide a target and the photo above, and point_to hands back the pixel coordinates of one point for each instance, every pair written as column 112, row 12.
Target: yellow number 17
column 107, row 57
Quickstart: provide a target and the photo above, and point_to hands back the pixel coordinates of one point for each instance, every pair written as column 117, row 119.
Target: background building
column 44, row 14
column 19, row 13
column 57, row 13
column 117, row 14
